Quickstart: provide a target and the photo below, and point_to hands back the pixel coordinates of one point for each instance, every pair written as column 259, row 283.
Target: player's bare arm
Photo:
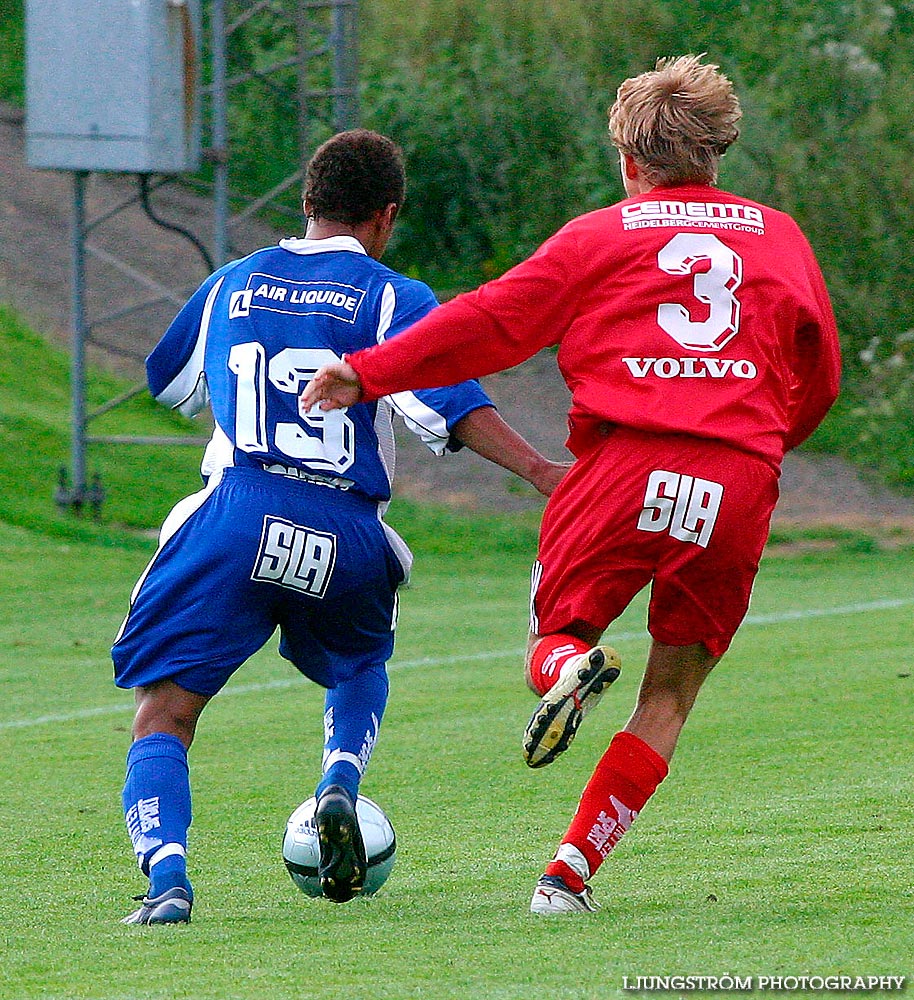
column 335, row 386
column 486, row 433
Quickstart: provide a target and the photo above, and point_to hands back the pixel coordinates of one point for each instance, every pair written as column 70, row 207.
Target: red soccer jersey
column 685, row 310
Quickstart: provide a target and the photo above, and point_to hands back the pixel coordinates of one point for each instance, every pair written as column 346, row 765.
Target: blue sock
column 157, row 809
column 352, row 717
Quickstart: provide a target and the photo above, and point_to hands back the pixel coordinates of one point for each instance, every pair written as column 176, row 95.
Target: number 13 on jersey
column 330, row 449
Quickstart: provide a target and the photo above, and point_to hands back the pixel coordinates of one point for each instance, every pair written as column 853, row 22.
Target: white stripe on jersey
column 219, row 454
column 187, row 391
column 422, row 420
column 536, row 574
column 388, row 305
column 384, row 431
column 383, row 426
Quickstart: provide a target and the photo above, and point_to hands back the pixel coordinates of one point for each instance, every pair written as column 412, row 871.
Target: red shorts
column 687, row 515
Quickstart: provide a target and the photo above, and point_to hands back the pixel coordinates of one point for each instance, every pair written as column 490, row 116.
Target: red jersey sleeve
column 816, row 364
column 495, row 327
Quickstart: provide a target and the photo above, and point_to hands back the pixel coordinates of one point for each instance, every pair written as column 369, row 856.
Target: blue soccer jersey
column 259, row 328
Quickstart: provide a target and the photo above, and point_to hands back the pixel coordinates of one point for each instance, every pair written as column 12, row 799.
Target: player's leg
column 342, row 640
column 352, row 717
column 547, row 654
column 156, row 797
column 627, row 775
column 672, row 679
column 166, row 707
column 572, row 602
column 194, row 618
column 700, row 594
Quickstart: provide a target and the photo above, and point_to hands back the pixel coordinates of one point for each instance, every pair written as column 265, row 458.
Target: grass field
column 778, row 846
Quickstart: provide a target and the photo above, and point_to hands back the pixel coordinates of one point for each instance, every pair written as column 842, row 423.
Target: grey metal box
column 113, row 85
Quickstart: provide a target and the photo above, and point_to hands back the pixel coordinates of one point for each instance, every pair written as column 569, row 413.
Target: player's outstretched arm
column 335, row 386
column 488, row 435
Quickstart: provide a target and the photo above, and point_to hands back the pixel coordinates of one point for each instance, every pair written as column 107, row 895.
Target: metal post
column 352, row 65
column 340, row 112
column 343, row 46
column 78, row 361
column 302, row 24
column 220, row 136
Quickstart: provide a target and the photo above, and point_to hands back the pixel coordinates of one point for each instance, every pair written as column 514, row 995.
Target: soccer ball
column 301, row 852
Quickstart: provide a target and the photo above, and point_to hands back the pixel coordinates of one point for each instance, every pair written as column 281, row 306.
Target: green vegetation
column 142, row 482
column 12, row 52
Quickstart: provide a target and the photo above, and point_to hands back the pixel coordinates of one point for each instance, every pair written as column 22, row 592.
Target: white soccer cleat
column 552, row 895
column 579, row 688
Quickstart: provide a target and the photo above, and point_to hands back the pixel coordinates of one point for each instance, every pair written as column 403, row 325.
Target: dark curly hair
column 354, row 175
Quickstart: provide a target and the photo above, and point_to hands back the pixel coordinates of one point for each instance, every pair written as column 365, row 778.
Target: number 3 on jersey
column 332, row 449
column 717, row 271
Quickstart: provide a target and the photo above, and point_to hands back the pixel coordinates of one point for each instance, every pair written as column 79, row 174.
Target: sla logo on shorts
column 294, row 556
column 684, row 505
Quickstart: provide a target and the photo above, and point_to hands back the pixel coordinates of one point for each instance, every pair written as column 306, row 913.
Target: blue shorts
column 256, row 551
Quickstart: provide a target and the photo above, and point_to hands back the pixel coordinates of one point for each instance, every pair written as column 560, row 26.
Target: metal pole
column 340, row 99
column 78, row 361
column 220, row 136
column 352, row 56
column 344, row 46
column 302, row 23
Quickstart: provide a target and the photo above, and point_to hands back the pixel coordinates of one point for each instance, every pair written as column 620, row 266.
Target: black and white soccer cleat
column 343, row 862
column 552, row 896
column 580, row 686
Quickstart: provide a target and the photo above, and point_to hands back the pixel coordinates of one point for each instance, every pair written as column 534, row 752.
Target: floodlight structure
column 145, row 88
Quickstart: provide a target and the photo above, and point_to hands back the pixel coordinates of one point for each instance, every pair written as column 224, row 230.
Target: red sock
column 549, row 657
column 626, row 777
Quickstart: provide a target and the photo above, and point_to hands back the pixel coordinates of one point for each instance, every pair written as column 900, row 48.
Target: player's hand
column 335, row 387
column 549, row 476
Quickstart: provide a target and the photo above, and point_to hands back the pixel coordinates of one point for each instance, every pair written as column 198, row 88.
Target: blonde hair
column 676, row 121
